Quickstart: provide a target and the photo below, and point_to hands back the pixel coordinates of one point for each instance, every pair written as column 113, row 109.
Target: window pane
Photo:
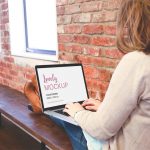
column 41, row 29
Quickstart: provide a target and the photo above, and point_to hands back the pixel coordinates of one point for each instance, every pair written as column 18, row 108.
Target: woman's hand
column 72, row 108
column 91, row 104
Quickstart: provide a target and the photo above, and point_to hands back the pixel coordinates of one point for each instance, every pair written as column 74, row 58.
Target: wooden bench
column 13, row 106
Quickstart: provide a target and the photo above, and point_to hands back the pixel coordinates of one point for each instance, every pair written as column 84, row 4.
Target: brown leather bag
column 32, row 93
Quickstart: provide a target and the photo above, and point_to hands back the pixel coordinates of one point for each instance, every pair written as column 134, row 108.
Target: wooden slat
column 13, row 104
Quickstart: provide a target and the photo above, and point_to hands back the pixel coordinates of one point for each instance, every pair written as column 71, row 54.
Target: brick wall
column 86, row 34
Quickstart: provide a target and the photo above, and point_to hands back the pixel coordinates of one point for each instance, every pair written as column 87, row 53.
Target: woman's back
column 134, row 134
column 124, row 116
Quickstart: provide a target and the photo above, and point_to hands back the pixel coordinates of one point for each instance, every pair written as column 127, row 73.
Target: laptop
column 59, row 85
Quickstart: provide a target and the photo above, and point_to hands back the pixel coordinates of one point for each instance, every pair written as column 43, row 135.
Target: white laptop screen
column 61, row 85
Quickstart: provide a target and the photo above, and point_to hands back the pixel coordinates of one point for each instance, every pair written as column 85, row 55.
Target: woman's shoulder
column 136, row 54
column 137, row 61
column 138, row 57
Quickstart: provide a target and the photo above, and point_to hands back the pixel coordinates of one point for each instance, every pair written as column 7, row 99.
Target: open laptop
column 59, row 85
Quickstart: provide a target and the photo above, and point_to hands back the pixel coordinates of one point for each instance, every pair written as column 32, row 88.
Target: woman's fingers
column 90, row 108
column 88, row 102
column 72, row 108
column 91, row 104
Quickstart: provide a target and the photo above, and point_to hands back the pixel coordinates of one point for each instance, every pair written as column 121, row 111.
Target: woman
column 122, row 120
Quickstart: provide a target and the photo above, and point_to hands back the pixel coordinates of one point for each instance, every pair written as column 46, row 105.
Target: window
column 33, row 28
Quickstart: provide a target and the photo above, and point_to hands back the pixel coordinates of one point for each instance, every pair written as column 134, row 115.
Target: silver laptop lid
column 61, row 84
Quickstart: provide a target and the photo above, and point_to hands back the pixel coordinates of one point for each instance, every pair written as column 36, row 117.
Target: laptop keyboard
column 60, row 111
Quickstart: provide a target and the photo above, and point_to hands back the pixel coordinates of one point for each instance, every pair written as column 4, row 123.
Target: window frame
column 19, row 33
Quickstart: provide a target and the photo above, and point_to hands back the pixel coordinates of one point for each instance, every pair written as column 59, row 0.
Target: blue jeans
column 74, row 132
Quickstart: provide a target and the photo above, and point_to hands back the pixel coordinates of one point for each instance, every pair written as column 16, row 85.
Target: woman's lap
column 74, row 132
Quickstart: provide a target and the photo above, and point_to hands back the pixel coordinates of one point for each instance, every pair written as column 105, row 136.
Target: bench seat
column 13, row 106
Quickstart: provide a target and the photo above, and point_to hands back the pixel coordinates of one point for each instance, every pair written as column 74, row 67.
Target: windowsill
column 26, row 61
column 37, row 56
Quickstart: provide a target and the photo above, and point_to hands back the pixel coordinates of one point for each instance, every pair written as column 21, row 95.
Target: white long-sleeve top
column 123, row 118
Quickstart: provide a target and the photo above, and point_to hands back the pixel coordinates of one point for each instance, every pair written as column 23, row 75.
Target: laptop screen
column 61, row 84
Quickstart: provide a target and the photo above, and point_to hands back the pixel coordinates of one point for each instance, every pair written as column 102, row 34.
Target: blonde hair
column 133, row 26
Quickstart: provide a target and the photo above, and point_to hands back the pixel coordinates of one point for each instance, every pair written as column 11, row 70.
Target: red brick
column 2, row 1
column 13, row 72
column 5, row 13
column 3, row 64
column 3, row 75
column 91, row 72
column 98, row 85
column 111, row 63
column 98, row 17
column 61, row 47
column 65, row 38
column 110, row 29
column 104, row 75
column 2, row 27
column 81, row 18
column 6, row 46
column 81, row 1
column 92, row 29
column 1, row 68
column 97, row 61
column 72, row 9
column 4, row 20
column 72, row 28
column 113, row 53
column 9, row 59
column 110, row 16
column 66, row 19
column 28, row 76
column 4, row 6
column 93, row 94
column 83, row 59
column 67, row 56
column 5, row 70
column 94, row 51
column 60, row 10
column 77, row 49
column 103, row 41
column 89, row 83
column 9, row 65
column 9, row 77
column 5, row 40
column 104, row 16
column 71, row 1
column 61, row 2
column 104, row 62
column 81, row 39
column 111, row 5
column 68, row 48
column 1, row 80
column 5, row 82
column 29, row 70
column 91, row 6
column 60, row 29
column 5, row 34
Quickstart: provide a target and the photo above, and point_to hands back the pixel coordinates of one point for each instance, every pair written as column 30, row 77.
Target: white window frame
column 18, row 34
